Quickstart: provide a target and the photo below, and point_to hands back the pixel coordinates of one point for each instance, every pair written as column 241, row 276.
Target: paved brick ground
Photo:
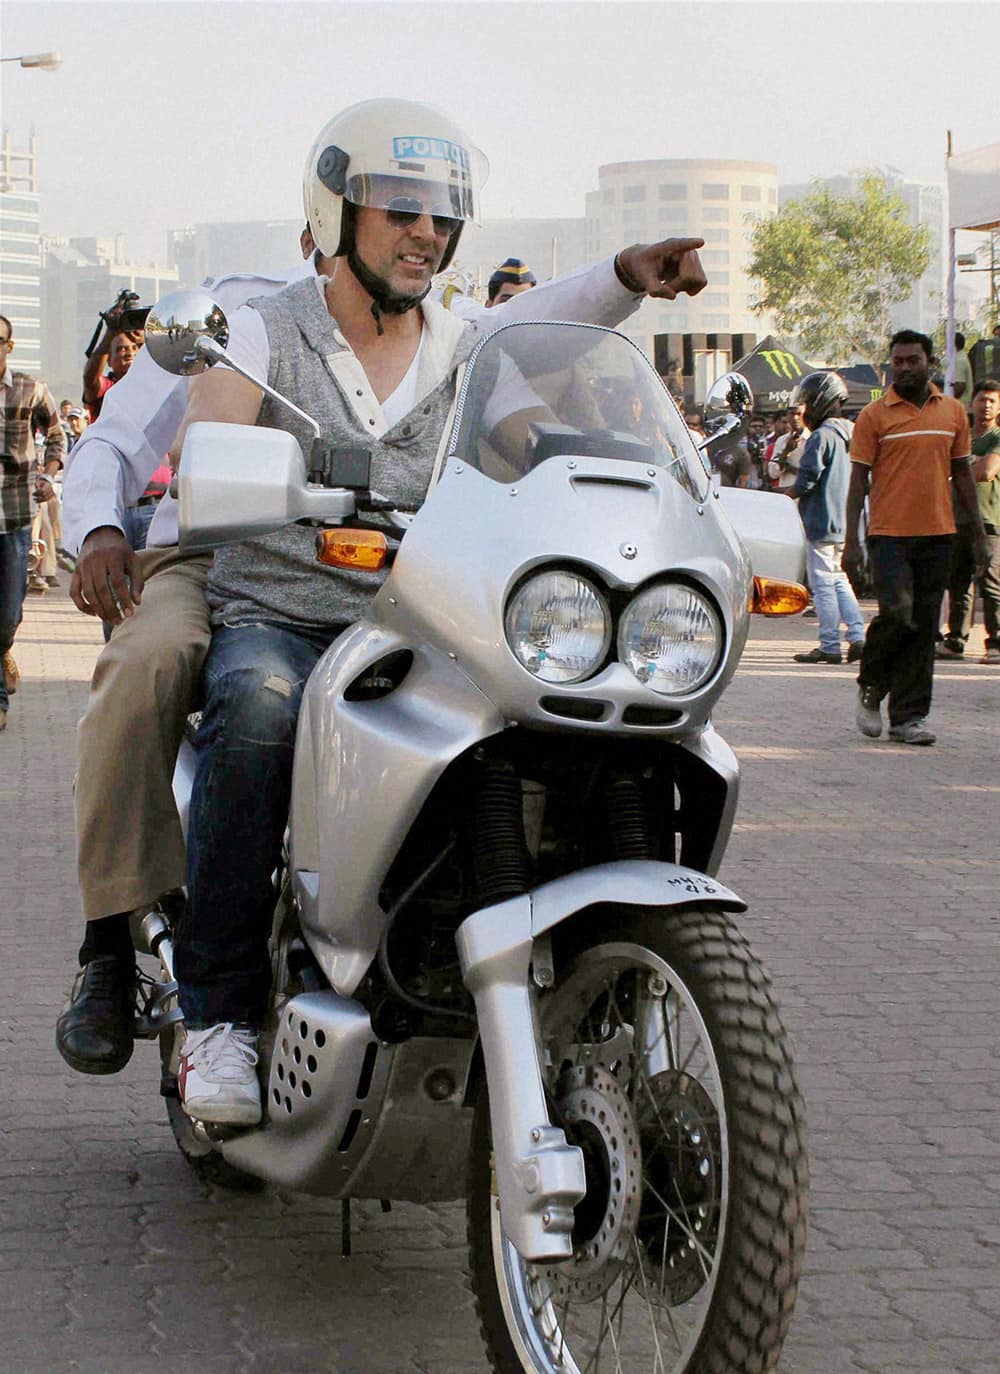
column 870, row 869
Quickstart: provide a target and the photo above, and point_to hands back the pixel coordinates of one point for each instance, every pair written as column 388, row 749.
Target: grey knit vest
column 275, row 578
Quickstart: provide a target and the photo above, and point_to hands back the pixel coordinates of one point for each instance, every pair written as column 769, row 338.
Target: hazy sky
column 168, row 113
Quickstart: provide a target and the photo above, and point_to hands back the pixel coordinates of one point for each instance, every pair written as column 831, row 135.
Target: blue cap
column 512, row 270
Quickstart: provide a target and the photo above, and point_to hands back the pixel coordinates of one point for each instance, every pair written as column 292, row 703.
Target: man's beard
column 384, row 299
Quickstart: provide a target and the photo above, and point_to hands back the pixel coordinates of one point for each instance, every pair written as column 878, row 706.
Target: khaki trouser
column 129, row 843
column 47, row 528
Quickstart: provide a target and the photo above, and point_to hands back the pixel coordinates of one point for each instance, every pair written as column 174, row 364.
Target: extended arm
column 95, row 367
column 595, row 294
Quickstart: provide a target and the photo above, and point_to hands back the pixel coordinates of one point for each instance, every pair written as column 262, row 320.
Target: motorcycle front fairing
column 367, row 761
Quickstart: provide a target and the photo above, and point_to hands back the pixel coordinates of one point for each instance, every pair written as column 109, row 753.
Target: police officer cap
column 513, row 270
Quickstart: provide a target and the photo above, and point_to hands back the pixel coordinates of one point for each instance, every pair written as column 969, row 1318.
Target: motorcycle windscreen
column 538, row 391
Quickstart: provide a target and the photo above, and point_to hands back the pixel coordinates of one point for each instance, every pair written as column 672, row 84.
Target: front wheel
column 668, row 1065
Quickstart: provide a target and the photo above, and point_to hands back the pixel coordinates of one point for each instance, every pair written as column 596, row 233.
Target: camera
column 131, row 316
column 756, row 446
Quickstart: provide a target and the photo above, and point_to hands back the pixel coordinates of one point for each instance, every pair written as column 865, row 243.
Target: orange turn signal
column 362, row 549
column 771, row 597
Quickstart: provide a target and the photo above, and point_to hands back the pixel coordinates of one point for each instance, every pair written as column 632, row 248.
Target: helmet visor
column 446, row 190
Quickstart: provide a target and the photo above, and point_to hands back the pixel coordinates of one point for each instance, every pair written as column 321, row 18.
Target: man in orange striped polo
column 910, row 445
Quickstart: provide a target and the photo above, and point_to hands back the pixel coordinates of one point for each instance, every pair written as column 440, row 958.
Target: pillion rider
column 365, row 301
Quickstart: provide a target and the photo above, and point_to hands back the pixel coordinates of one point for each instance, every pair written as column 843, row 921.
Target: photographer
column 109, row 359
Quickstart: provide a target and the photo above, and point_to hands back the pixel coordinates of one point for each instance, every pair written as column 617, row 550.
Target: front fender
column 496, row 941
column 629, row 882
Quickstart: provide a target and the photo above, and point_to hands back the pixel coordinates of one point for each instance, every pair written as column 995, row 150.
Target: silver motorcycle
column 504, row 967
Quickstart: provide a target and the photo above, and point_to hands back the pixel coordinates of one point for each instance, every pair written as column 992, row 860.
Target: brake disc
column 599, row 1120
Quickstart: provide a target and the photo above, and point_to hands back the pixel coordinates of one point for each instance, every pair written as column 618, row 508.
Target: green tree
column 831, row 268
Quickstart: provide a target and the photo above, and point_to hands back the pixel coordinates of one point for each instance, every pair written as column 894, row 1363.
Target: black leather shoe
column 818, row 656
column 854, row 650
column 96, row 1031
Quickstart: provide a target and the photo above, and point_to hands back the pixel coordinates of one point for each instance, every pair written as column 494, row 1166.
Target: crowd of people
column 351, row 336
column 808, row 453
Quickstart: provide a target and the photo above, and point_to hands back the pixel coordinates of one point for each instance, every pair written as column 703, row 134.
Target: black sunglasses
column 403, row 211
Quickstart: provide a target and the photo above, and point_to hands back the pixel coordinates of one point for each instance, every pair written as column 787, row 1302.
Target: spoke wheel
column 668, row 1065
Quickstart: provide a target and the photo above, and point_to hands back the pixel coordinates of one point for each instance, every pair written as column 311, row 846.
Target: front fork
column 656, row 1026
column 540, row 1176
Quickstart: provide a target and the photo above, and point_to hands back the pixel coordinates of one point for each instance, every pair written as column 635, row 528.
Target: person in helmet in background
column 820, row 488
column 388, row 187
column 510, row 279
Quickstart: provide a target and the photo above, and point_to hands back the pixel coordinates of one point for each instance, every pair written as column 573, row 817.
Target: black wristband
column 626, row 280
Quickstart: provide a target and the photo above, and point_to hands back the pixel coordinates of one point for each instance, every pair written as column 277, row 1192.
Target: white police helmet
column 398, row 155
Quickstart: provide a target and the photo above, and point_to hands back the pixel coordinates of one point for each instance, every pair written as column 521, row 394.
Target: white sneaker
column 912, row 732
column 218, row 1076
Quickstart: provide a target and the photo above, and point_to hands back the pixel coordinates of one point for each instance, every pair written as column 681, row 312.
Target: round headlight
column 670, row 637
column 558, row 627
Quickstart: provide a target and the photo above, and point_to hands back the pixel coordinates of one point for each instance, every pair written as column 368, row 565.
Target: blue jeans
column 254, row 679
column 137, row 522
column 833, row 596
column 909, row 576
column 14, row 549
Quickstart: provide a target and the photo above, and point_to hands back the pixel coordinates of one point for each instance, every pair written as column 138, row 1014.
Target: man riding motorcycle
column 389, row 185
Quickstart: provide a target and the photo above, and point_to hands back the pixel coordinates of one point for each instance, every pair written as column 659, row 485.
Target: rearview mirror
column 730, row 394
column 177, row 323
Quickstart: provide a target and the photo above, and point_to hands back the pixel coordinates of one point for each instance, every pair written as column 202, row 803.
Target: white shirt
column 787, row 461
column 111, row 465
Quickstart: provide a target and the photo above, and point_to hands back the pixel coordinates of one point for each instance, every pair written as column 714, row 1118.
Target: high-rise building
column 713, row 199
column 81, row 277
column 925, row 204
column 21, row 253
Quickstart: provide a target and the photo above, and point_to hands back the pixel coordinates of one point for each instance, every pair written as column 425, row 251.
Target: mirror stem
column 725, row 426
column 214, row 353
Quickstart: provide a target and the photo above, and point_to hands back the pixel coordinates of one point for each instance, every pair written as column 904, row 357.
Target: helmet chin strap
column 385, row 301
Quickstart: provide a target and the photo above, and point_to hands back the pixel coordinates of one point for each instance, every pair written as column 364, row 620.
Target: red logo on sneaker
column 182, row 1075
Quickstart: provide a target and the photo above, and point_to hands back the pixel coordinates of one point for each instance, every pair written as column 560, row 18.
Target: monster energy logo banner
column 782, row 364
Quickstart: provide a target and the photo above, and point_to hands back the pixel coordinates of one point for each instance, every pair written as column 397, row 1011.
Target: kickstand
column 345, row 1227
